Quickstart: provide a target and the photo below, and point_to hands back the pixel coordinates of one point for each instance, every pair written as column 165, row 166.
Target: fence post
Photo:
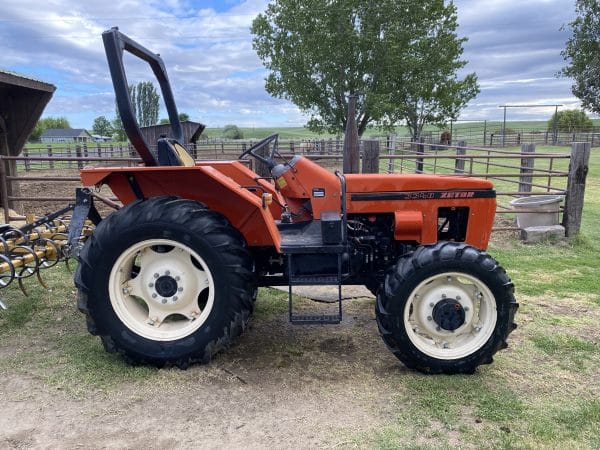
column 27, row 161
column 527, row 164
column 391, row 147
column 99, row 150
column 578, row 170
column 370, row 160
column 420, row 145
column 4, row 191
column 459, row 162
column 78, row 155
column 292, row 148
column 50, row 162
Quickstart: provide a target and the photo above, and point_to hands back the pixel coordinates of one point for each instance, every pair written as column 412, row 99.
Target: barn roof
column 22, row 101
column 191, row 132
column 63, row 132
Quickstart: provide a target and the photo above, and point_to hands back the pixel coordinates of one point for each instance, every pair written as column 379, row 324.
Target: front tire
column 447, row 308
column 166, row 281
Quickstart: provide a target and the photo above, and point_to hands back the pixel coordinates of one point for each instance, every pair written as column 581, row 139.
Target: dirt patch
column 54, row 189
column 282, row 386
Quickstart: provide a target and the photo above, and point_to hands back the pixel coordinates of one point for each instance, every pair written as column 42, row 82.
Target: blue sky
column 514, row 47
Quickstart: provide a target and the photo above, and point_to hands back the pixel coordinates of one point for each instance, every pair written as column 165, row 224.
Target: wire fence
column 515, row 173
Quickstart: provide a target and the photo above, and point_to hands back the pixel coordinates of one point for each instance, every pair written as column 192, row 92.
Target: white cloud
column 216, row 76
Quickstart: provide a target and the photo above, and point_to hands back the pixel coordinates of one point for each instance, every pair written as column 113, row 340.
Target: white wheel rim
column 478, row 304
column 170, row 297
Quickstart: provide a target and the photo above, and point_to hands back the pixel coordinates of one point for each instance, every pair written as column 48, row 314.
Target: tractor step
column 301, row 319
column 315, row 280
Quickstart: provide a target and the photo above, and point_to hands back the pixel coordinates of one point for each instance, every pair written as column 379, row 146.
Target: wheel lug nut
column 443, row 295
column 180, row 289
column 438, row 328
column 457, row 297
column 164, row 300
column 174, row 298
column 177, row 278
column 466, row 308
column 167, row 272
column 153, row 295
column 431, row 305
column 429, row 318
column 150, row 284
column 156, row 275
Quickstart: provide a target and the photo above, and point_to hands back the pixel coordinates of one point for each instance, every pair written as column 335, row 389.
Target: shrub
column 569, row 120
column 232, row 132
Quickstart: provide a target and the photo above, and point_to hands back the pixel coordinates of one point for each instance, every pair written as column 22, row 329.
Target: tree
column 183, row 117
column 569, row 120
column 102, row 126
column 232, row 132
column 146, row 100
column 582, row 54
column 117, row 127
column 48, row 123
column 402, row 56
column 145, row 105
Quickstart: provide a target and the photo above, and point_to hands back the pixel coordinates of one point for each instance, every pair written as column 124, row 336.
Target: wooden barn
column 22, row 101
column 191, row 132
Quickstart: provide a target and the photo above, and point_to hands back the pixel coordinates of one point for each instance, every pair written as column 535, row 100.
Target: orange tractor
column 171, row 278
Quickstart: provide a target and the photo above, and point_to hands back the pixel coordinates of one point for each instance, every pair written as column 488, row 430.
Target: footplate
column 301, row 319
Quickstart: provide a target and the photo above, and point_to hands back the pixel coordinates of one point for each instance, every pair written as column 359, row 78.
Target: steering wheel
column 259, row 145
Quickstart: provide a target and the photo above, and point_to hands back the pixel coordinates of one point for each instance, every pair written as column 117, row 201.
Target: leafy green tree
column 570, row 120
column 48, row 123
column 102, row 126
column 183, row 117
column 232, row 132
column 146, row 100
column 145, row 104
column 582, row 54
column 117, row 127
column 401, row 55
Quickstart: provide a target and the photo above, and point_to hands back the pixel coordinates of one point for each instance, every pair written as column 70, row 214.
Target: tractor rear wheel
column 166, row 281
column 447, row 308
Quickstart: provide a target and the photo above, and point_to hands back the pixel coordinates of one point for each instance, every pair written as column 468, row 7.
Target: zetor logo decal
column 457, row 194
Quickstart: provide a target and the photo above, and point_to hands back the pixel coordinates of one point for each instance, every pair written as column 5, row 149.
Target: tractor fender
column 205, row 184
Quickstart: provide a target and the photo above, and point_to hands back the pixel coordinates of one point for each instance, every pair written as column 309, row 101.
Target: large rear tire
column 166, row 281
column 447, row 308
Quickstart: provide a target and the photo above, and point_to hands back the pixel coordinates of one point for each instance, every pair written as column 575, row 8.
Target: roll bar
column 115, row 43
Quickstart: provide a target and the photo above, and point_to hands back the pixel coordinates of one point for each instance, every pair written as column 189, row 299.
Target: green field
column 298, row 133
column 332, row 387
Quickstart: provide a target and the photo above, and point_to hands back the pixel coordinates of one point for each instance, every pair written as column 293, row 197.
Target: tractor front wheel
column 447, row 308
column 165, row 281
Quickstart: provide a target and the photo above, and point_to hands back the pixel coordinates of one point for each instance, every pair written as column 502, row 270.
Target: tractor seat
column 172, row 153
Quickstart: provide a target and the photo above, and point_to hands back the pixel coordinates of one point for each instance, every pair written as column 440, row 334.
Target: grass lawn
column 334, row 387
